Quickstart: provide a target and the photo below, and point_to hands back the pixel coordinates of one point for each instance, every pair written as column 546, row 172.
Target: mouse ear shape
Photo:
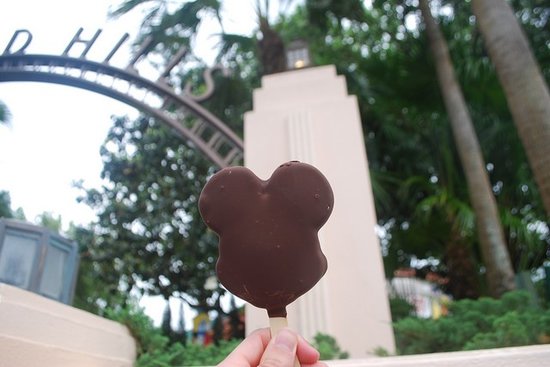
column 221, row 198
column 305, row 190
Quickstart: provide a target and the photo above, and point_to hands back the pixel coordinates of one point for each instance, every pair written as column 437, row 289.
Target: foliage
column 400, row 308
column 197, row 355
column 154, row 349
column 542, row 287
column 328, row 347
column 419, row 189
column 98, row 284
column 5, row 205
column 150, row 233
column 5, row 115
column 172, row 27
column 50, row 221
column 512, row 320
column 534, row 17
column 6, row 211
column 46, row 219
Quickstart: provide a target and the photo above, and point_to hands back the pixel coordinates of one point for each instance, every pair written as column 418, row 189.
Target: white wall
column 37, row 331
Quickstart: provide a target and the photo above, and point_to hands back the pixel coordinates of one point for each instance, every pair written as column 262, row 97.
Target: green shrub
column 512, row 320
column 508, row 331
column 400, row 308
column 155, row 350
column 211, row 355
column 328, row 347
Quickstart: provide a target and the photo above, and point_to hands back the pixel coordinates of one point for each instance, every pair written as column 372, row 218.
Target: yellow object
column 201, row 321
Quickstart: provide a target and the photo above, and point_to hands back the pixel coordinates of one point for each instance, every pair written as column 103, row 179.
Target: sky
column 55, row 131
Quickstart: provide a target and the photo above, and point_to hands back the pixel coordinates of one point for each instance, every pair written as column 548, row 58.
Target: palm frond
column 381, row 183
column 231, row 41
column 464, row 216
column 413, row 183
column 528, row 237
column 126, row 7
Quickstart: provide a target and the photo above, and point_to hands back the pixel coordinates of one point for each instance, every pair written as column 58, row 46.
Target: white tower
column 307, row 115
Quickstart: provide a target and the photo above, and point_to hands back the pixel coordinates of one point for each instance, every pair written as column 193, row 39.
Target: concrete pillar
column 307, row 115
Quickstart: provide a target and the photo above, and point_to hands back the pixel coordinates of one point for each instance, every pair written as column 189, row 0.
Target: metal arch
column 202, row 129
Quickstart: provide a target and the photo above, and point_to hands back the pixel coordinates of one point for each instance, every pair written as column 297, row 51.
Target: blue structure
column 38, row 260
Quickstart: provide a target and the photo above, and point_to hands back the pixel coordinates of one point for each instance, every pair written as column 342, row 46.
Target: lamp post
column 297, row 55
column 38, row 260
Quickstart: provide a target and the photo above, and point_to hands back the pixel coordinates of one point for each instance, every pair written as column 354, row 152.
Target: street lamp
column 38, row 260
column 297, row 55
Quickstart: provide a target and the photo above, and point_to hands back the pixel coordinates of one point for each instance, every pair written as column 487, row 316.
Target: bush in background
column 328, row 347
column 400, row 308
column 512, row 320
column 155, row 349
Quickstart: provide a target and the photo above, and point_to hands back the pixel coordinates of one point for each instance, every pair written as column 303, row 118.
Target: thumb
column 281, row 350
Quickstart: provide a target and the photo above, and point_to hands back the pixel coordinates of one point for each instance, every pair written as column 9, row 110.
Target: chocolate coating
column 269, row 251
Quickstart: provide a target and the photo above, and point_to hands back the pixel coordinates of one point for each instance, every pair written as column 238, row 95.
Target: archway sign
column 180, row 111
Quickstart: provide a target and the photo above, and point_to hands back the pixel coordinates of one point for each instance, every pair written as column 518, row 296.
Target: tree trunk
column 272, row 50
column 500, row 274
column 461, row 269
column 526, row 91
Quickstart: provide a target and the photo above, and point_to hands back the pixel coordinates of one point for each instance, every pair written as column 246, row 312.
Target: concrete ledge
column 529, row 356
column 35, row 330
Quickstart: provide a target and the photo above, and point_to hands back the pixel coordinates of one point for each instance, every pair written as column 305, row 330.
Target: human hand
column 259, row 350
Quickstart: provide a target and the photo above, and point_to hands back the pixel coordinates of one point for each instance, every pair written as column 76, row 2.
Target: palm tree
column 173, row 29
column 500, row 274
column 271, row 47
column 526, row 91
column 443, row 226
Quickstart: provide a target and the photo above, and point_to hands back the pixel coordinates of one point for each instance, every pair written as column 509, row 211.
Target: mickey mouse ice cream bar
column 269, row 251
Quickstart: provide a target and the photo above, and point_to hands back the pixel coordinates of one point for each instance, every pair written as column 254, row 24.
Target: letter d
column 21, row 50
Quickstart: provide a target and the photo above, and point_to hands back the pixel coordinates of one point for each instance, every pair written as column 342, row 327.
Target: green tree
column 5, row 205
column 171, row 28
column 500, row 274
column 166, row 324
column 98, row 284
column 523, row 82
column 4, row 114
column 50, row 221
column 149, row 229
column 5, row 201
column 407, row 133
column 6, row 211
column 406, row 130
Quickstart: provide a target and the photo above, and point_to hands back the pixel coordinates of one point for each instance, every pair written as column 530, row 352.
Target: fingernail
column 286, row 339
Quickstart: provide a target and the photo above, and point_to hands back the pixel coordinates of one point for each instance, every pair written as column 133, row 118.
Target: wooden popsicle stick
column 276, row 324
